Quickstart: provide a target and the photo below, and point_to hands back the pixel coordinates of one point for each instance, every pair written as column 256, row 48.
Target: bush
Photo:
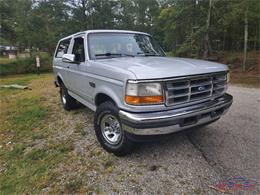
column 26, row 65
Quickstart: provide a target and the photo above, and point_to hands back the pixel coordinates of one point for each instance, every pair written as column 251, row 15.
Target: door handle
column 68, row 66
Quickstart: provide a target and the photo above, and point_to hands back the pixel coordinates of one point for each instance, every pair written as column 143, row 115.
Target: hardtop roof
column 103, row 31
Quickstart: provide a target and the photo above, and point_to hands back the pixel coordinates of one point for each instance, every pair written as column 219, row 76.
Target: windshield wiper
column 115, row 54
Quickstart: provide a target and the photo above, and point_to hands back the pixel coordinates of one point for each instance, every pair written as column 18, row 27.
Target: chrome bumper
column 165, row 122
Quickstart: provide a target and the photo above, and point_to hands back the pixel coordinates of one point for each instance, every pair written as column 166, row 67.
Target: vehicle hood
column 164, row 67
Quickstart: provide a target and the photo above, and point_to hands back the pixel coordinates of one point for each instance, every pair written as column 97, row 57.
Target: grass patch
column 5, row 92
column 26, row 166
column 36, row 154
column 5, row 60
column 29, row 169
column 16, row 152
column 28, row 172
column 21, row 79
column 26, row 115
column 79, row 128
column 61, row 146
column 74, row 185
column 29, row 113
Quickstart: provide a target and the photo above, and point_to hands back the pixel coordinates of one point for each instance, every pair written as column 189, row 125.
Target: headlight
column 144, row 93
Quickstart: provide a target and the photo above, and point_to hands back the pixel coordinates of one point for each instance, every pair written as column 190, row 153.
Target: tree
column 242, row 21
column 191, row 28
column 207, row 48
column 245, row 39
column 166, row 26
column 145, row 14
column 48, row 22
column 8, row 21
column 125, row 14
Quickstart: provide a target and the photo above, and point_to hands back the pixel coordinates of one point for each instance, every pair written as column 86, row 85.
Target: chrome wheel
column 111, row 129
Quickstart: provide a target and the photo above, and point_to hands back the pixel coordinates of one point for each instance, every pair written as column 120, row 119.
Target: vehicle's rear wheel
column 67, row 101
column 109, row 130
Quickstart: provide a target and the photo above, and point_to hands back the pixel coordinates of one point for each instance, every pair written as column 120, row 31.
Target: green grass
column 28, row 116
column 24, row 168
column 23, row 80
column 5, row 60
column 27, row 171
column 74, row 184
column 19, row 79
column 26, row 165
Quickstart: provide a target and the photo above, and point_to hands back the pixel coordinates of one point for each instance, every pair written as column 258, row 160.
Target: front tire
column 109, row 130
column 67, row 101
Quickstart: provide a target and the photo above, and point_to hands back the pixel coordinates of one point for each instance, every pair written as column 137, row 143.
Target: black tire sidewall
column 63, row 91
column 70, row 101
column 100, row 135
column 125, row 145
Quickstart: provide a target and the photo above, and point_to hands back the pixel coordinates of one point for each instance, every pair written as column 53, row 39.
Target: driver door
column 79, row 79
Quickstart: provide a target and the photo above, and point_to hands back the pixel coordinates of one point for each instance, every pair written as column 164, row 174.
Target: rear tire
column 67, row 101
column 109, row 130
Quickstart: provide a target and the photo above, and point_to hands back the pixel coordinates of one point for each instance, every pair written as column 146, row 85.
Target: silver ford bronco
column 134, row 89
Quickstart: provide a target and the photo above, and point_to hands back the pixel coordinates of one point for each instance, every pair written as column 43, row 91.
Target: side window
column 63, row 48
column 78, row 49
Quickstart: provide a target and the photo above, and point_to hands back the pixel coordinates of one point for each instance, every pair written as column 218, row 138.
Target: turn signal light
column 137, row 100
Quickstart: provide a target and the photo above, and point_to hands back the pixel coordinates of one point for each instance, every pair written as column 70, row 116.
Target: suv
column 134, row 89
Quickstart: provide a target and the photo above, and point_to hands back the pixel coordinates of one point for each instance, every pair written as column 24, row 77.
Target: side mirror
column 69, row 58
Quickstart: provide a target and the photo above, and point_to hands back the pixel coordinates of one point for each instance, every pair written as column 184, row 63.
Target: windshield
column 108, row 45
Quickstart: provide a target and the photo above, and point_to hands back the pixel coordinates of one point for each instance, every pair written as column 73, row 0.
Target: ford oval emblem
column 201, row 88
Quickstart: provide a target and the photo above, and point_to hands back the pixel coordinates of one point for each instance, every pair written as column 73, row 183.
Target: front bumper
column 164, row 122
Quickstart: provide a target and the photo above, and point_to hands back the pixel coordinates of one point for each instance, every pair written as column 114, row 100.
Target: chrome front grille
column 195, row 88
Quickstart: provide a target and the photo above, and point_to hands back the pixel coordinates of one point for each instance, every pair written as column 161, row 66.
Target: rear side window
column 63, row 48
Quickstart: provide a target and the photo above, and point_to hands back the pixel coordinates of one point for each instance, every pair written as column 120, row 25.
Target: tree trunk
column 207, row 48
column 245, row 40
column 256, row 38
column 224, row 41
column 84, row 25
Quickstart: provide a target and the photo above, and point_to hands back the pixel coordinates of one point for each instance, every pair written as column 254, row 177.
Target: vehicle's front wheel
column 67, row 101
column 109, row 130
